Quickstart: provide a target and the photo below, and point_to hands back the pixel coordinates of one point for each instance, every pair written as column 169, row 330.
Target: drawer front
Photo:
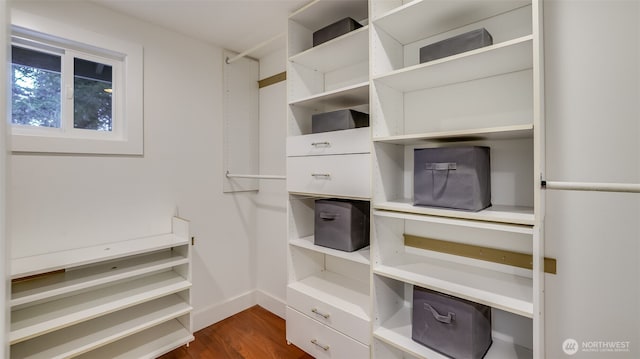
column 338, row 175
column 330, row 143
column 321, row 341
column 339, row 319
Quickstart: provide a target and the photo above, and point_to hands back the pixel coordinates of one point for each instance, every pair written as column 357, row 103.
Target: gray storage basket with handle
column 452, row 177
column 449, row 325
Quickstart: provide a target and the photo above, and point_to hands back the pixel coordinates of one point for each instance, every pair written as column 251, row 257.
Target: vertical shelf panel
column 241, row 123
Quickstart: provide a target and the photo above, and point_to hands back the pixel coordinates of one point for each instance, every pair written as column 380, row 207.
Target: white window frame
column 126, row 59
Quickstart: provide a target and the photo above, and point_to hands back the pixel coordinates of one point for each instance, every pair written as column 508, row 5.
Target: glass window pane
column 92, row 100
column 35, row 88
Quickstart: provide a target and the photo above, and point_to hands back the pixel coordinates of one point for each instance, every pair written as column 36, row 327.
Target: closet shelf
column 421, row 19
column 85, row 277
column 503, row 58
column 499, row 290
column 150, row 343
column 502, row 227
column 100, row 331
column 43, row 318
column 490, row 133
column 349, row 96
column 495, row 213
column 348, row 49
column 396, row 331
column 319, row 13
column 360, row 256
column 32, row 265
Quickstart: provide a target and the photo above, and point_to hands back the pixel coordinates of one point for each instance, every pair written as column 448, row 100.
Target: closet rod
column 592, row 186
column 229, row 60
column 230, row 175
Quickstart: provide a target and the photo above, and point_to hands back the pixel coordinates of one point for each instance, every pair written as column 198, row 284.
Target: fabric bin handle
column 440, row 166
column 327, row 216
column 441, row 318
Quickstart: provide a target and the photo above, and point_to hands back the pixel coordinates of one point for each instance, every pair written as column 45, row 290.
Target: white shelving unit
column 328, row 292
column 78, row 301
column 492, row 97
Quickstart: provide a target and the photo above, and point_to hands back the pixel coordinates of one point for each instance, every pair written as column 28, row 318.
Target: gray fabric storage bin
column 341, row 224
column 449, row 325
column 338, row 120
column 464, row 42
column 452, row 177
column 334, row 30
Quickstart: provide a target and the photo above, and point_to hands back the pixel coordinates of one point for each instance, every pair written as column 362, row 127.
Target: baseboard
column 273, row 304
column 216, row 312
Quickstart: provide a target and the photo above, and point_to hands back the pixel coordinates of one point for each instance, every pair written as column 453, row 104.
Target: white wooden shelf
column 43, row 318
column 321, row 195
column 396, row 332
column 502, row 227
column 360, row 256
column 499, row 290
column 320, row 13
column 26, row 266
column 420, row 19
column 498, row 59
column 495, row 213
column 98, row 332
column 492, row 133
column 353, row 95
column 348, row 294
column 79, row 301
column 348, row 49
column 73, row 280
column 148, row 344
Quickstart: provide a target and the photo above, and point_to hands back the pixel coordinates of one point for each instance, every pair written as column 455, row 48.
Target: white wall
column 60, row 202
column 593, row 135
column 271, row 227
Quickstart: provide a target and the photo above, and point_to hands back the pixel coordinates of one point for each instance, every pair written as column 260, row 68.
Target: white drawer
column 351, row 318
column 321, row 341
column 338, row 175
column 330, row 143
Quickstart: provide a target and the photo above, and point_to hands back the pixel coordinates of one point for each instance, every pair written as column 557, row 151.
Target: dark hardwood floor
column 253, row 333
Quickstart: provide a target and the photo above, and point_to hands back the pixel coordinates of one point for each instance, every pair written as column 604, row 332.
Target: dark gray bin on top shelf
column 449, row 325
column 338, row 120
column 455, row 45
column 334, row 30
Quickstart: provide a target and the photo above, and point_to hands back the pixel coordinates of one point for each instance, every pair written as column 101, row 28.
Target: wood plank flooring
column 253, row 333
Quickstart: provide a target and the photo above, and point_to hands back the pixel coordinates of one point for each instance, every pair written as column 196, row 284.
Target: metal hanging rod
column 229, row 60
column 592, row 186
column 270, row 177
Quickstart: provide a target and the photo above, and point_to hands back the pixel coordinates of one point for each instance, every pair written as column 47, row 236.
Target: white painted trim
column 271, row 303
column 216, row 312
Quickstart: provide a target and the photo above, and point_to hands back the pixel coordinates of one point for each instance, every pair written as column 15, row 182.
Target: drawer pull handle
column 315, row 342
column 324, row 315
column 323, row 143
column 321, row 175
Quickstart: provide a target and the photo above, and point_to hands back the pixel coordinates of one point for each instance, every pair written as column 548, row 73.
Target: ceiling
column 236, row 25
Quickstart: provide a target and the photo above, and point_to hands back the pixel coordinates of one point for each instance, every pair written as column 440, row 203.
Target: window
column 74, row 91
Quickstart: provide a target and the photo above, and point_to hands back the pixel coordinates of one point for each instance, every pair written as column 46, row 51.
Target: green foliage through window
column 36, row 86
column 37, row 83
